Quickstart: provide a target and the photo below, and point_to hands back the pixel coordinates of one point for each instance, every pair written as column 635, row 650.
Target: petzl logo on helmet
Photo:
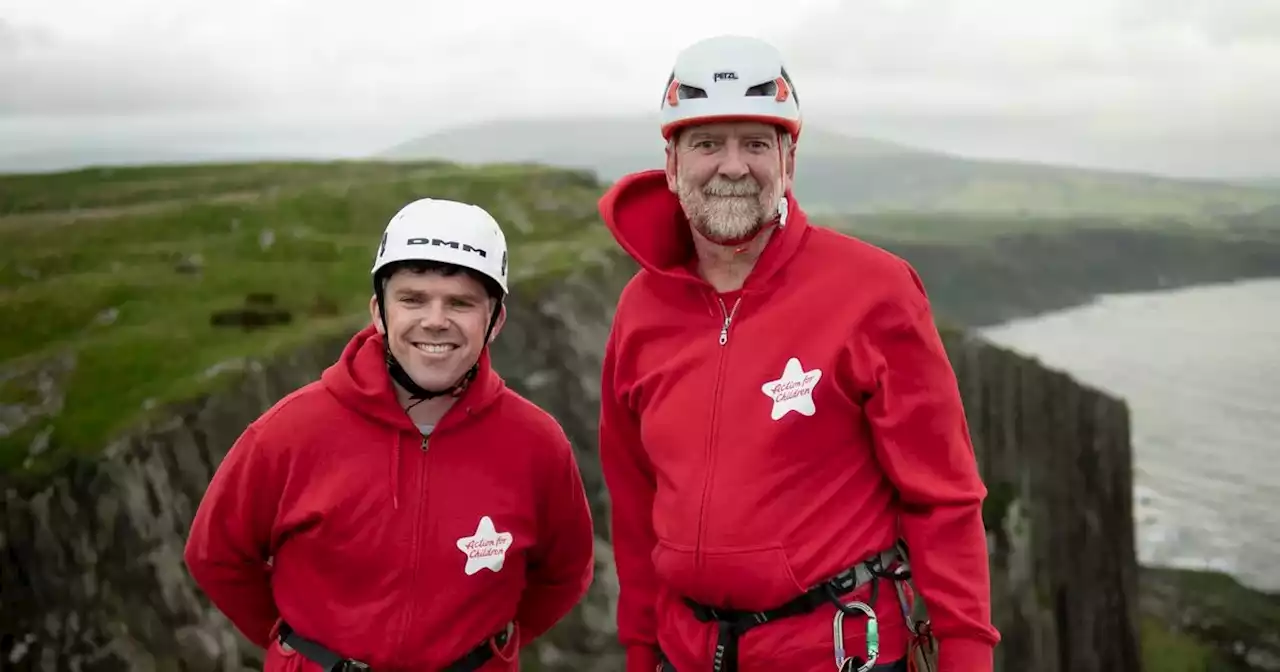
column 724, row 75
column 446, row 243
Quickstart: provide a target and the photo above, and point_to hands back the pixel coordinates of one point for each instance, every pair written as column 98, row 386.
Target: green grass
column 965, row 228
column 104, row 289
column 1074, row 196
column 1165, row 650
column 942, row 185
column 121, row 186
column 1205, row 620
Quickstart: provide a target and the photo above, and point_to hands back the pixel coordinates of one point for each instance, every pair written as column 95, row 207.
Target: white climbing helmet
column 431, row 229
column 729, row 78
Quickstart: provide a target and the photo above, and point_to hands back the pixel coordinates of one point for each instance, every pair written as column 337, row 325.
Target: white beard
column 725, row 210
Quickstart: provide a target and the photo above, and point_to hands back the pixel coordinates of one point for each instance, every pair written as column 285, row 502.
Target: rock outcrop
column 1056, row 458
column 93, row 577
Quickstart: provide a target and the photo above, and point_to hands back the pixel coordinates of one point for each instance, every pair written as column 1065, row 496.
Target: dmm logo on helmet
column 446, row 243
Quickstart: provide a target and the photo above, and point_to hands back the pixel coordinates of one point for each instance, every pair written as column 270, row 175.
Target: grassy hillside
column 109, row 279
column 1198, row 621
column 839, row 173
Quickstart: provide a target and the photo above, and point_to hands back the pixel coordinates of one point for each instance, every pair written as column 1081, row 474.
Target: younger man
column 407, row 510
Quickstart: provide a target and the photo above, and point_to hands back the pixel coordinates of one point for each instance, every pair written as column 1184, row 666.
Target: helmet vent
column 685, row 92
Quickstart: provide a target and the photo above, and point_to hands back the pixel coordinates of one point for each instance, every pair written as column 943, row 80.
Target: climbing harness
column 922, row 647
column 873, row 637
column 332, row 662
column 732, row 624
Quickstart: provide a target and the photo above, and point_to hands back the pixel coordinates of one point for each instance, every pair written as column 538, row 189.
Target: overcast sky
column 1187, row 87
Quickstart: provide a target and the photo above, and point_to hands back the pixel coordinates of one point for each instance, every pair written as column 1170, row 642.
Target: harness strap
column 332, row 662
column 732, row 624
column 326, row 659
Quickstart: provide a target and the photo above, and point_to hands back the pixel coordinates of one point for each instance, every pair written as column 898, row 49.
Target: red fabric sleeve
column 642, row 658
column 631, row 484
column 228, row 549
column 562, row 568
column 922, row 440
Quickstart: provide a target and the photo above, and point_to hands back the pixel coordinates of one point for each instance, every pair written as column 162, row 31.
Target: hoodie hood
column 649, row 223
column 360, row 381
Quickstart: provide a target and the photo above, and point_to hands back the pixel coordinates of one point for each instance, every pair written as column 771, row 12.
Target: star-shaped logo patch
column 793, row 391
column 486, row 549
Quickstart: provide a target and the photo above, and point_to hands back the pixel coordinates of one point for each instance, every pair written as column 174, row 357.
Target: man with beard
column 407, row 510
column 779, row 421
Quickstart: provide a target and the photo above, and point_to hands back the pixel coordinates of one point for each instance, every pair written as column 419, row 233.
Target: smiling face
column 730, row 177
column 436, row 320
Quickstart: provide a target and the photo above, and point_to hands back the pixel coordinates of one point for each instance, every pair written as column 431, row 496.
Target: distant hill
column 58, row 160
column 1267, row 182
column 841, row 173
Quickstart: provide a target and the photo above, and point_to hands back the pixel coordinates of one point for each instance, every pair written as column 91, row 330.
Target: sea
column 1200, row 369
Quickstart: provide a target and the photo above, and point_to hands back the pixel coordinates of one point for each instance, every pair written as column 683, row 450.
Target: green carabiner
column 873, row 637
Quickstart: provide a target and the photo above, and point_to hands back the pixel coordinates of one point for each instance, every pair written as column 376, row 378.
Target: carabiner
column 873, row 636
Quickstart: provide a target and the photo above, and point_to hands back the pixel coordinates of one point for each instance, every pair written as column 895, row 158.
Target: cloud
column 57, row 78
column 1012, row 56
column 384, row 55
column 1131, row 83
column 319, row 77
column 1056, row 81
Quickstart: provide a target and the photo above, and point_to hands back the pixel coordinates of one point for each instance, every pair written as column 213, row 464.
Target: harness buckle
column 844, row 581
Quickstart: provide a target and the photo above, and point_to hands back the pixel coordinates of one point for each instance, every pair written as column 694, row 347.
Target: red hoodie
column 332, row 511
column 827, row 425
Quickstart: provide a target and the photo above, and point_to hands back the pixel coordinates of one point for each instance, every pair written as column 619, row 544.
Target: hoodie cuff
column 965, row 655
column 642, row 658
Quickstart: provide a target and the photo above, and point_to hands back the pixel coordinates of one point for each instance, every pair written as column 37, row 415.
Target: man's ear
column 497, row 326
column 788, row 166
column 671, row 167
column 375, row 315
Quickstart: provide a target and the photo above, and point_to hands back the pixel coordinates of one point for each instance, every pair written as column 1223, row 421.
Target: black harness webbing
column 332, row 662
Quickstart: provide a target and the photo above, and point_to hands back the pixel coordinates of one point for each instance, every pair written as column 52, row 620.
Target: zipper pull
column 424, row 444
column 728, row 319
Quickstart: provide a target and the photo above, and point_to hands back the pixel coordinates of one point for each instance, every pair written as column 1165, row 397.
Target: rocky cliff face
column 93, row 577
column 1055, row 456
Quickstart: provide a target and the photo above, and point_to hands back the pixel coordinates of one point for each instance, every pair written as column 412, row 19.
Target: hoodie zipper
column 728, row 319
column 420, row 515
column 728, row 315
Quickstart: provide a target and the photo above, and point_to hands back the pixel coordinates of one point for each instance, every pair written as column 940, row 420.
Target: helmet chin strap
column 780, row 221
column 402, row 377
